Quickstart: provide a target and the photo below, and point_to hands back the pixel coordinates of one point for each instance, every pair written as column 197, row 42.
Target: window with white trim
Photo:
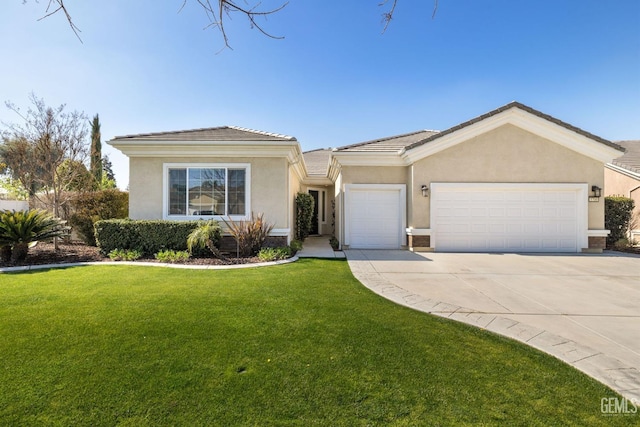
column 205, row 190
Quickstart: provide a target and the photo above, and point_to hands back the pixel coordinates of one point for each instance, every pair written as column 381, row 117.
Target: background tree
column 96, row 151
column 36, row 149
column 108, row 177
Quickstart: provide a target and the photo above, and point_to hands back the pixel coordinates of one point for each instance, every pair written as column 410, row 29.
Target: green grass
column 300, row 344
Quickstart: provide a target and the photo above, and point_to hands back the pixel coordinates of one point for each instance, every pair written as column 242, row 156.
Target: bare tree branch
column 221, row 10
column 60, row 7
column 388, row 16
column 224, row 8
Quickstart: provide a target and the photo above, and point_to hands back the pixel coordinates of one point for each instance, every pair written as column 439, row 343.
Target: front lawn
column 299, row 344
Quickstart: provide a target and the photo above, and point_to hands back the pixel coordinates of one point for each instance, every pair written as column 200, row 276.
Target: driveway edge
column 622, row 378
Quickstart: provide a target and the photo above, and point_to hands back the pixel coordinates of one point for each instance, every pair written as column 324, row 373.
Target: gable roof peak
column 522, row 107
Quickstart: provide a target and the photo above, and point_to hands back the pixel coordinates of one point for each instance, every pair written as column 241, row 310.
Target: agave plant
column 20, row 229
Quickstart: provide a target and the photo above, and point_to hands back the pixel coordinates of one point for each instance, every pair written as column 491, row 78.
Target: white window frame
column 247, row 190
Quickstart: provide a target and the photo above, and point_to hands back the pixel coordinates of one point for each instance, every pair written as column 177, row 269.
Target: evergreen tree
column 96, row 151
column 107, row 167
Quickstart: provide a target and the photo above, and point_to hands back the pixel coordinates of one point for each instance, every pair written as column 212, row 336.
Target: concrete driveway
column 581, row 308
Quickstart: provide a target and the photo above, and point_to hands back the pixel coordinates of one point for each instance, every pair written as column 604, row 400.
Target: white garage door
column 374, row 216
column 508, row 217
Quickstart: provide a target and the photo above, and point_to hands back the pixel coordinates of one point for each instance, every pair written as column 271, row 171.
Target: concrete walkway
column 318, row 247
column 581, row 308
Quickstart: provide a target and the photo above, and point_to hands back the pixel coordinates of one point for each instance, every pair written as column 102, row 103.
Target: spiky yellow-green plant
column 18, row 229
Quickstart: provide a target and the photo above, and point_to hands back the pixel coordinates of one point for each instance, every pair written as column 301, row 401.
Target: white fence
column 17, row 205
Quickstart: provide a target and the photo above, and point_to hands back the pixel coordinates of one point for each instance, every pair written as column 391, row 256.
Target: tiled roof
column 317, row 161
column 631, row 158
column 222, row 133
column 521, row 107
column 390, row 144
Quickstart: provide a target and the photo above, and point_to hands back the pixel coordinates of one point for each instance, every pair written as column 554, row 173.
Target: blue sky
column 334, row 79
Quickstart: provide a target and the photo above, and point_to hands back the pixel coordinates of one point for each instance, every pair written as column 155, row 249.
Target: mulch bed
column 45, row 253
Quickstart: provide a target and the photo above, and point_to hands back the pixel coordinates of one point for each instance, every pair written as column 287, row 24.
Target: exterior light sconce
column 596, row 193
column 425, row 191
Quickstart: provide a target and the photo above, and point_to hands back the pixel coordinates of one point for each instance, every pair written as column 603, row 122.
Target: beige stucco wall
column 618, row 184
column 506, row 154
column 374, row 175
column 270, row 193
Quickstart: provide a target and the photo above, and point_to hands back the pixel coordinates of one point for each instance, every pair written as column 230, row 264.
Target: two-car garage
column 473, row 217
column 518, row 217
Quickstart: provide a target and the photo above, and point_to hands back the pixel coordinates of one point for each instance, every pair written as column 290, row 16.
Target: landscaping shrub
column 19, row 229
column 125, row 254
column 304, row 215
column 250, row 235
column 93, row 206
column 206, row 235
column 169, row 255
column 274, row 254
column 295, row 245
column 148, row 236
column 617, row 216
column 335, row 244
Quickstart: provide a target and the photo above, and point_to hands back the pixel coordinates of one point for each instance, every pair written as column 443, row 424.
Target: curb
column 147, row 264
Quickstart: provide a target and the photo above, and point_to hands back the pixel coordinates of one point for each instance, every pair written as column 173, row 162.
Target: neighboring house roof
column 221, row 133
column 631, row 158
column 391, row 144
column 523, row 108
column 317, row 161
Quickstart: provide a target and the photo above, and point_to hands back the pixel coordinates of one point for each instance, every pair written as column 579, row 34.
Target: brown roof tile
column 631, row 158
column 390, row 144
column 317, row 161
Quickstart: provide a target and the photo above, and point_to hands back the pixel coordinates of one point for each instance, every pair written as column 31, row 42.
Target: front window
column 206, row 190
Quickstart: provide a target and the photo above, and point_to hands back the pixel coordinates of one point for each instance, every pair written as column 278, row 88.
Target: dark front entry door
column 314, row 220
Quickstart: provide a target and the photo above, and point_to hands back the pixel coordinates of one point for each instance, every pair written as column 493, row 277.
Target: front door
column 314, row 220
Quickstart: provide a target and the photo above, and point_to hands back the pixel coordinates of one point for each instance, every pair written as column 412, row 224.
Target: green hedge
column 617, row 216
column 148, row 236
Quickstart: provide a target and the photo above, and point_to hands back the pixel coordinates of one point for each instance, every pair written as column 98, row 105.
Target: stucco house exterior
column 511, row 180
column 622, row 178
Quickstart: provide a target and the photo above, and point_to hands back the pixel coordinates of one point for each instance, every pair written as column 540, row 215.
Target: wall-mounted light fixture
column 596, row 192
column 425, row 190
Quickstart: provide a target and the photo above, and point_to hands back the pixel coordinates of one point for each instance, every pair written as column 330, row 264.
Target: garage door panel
column 374, row 216
column 512, row 217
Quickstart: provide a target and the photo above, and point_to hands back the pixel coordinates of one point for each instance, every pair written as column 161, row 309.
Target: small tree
column 617, row 217
column 304, row 215
column 35, row 150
